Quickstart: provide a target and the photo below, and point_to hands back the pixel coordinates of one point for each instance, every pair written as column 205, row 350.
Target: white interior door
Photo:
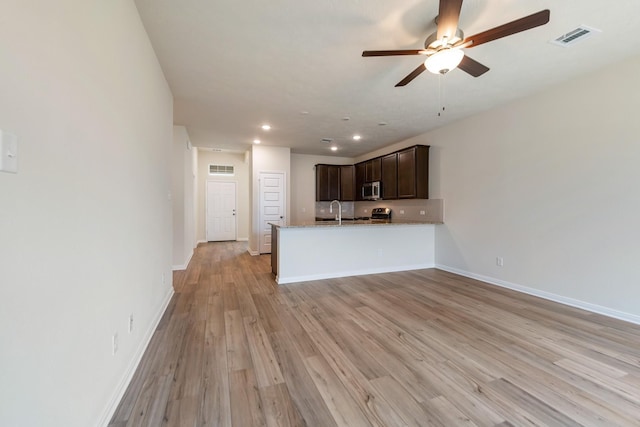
column 272, row 206
column 221, row 211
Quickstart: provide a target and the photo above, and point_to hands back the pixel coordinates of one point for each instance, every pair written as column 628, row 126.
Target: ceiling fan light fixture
column 444, row 60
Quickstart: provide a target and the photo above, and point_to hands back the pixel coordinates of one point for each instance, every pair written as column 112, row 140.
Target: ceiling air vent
column 572, row 37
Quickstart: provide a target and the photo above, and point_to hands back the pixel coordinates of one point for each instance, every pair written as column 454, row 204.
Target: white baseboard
column 307, row 278
column 185, row 265
column 239, row 239
column 133, row 365
column 594, row 308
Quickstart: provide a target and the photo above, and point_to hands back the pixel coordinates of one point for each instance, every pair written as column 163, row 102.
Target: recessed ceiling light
column 266, row 127
column 256, row 141
column 346, row 118
column 334, row 148
column 382, row 124
column 356, row 137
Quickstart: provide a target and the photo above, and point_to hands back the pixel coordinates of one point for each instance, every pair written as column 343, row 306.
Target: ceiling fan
column 443, row 48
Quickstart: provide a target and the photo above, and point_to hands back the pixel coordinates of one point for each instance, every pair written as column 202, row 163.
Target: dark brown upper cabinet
column 327, row 182
column 413, row 173
column 347, row 183
column 390, row 176
column 373, row 170
column 360, row 179
column 403, row 174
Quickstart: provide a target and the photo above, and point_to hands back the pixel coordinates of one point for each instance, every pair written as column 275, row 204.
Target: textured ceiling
column 234, row 65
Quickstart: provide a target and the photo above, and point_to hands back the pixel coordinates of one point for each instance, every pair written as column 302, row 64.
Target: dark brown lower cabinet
column 274, row 249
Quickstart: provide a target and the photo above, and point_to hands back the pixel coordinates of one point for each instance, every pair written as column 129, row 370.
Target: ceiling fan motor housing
column 433, row 43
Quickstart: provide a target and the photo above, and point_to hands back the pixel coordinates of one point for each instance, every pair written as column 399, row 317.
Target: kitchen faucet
column 339, row 216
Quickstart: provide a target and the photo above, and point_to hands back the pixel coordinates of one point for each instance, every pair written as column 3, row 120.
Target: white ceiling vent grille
column 572, row 37
column 221, row 170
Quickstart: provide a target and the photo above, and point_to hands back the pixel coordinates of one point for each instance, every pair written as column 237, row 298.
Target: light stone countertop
column 354, row 223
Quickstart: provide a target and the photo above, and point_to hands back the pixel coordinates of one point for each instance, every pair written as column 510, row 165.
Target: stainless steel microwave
column 371, row 190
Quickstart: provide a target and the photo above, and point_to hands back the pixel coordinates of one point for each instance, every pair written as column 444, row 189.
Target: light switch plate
column 8, row 152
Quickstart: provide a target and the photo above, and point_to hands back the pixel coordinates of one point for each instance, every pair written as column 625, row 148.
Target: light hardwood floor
column 418, row 348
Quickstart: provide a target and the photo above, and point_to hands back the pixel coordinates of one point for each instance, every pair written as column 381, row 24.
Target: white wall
column 85, row 226
column 266, row 159
column 549, row 183
column 303, row 184
column 183, row 191
column 241, row 178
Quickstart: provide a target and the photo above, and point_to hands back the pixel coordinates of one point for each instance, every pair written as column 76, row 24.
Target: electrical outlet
column 499, row 261
column 304, row 210
column 131, row 323
column 164, row 280
column 321, row 210
column 401, row 211
column 8, row 152
column 114, row 344
column 423, row 212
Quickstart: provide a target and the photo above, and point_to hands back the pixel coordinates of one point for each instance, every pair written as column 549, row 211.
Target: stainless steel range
column 380, row 214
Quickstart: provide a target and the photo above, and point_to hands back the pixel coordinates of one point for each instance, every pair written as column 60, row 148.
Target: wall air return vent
column 572, row 37
column 221, row 170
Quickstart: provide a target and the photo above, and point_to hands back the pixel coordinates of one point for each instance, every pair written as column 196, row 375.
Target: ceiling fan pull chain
column 441, row 95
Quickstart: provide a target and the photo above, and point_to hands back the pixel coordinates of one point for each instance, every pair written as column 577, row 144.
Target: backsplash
column 409, row 209
column 322, row 210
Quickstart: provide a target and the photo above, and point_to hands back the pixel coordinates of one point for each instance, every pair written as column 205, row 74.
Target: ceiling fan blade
column 412, row 75
column 513, row 27
column 472, row 67
column 448, row 17
column 393, row 52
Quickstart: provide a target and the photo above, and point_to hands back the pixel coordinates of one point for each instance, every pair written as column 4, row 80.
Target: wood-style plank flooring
column 418, row 348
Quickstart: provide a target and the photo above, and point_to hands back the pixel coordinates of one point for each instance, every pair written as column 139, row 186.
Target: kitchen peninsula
column 326, row 249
